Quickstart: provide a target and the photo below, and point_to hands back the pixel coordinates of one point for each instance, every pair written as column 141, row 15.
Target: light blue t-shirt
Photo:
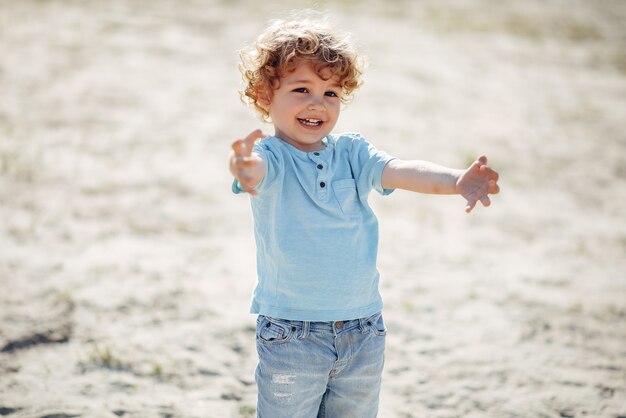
column 316, row 235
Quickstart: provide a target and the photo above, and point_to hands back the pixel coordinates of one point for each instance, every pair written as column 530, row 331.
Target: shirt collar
column 304, row 155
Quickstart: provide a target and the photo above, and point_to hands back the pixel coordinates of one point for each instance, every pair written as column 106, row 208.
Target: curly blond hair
column 283, row 43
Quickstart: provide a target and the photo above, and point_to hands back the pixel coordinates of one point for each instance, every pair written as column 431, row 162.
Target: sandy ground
column 126, row 265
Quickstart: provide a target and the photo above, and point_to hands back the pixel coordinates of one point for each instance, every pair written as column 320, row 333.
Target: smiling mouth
column 311, row 122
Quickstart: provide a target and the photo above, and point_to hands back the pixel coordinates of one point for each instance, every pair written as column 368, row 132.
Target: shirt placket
column 321, row 183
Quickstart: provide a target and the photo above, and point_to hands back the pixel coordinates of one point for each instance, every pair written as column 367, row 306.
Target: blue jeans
column 319, row 369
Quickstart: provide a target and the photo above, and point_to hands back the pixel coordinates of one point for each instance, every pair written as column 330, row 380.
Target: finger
column 239, row 147
column 493, row 187
column 479, row 166
column 470, row 205
column 254, row 135
column 243, row 147
column 248, row 189
column 489, row 172
column 474, row 168
column 493, row 174
column 251, row 139
column 244, row 181
column 485, row 201
column 244, row 162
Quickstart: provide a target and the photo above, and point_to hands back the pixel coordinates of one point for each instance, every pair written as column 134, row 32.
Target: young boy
column 320, row 334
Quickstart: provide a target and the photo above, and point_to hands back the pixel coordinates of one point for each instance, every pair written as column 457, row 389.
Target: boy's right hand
column 245, row 166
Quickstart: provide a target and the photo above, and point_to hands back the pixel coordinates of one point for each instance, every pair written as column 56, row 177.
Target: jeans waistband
column 335, row 327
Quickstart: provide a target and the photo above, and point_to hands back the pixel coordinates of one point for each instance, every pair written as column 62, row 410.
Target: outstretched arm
column 474, row 184
column 244, row 165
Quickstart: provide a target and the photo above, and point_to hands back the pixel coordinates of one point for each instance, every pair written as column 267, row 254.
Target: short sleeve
column 368, row 164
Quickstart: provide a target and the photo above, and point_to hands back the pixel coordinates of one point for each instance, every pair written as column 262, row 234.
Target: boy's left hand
column 477, row 182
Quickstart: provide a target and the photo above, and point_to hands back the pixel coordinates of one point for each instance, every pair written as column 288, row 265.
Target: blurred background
column 126, row 264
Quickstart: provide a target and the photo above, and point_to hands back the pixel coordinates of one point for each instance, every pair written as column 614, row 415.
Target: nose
column 316, row 104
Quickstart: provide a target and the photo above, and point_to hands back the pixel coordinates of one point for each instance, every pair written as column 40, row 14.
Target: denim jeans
column 319, row 369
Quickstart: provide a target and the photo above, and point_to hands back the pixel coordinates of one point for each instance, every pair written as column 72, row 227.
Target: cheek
column 290, row 102
column 334, row 108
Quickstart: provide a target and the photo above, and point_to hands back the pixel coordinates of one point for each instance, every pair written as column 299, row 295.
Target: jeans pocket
column 272, row 332
column 377, row 324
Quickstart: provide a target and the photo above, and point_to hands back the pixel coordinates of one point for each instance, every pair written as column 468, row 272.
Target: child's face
column 305, row 107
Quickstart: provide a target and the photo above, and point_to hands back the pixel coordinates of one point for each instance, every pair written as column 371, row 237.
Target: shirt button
column 322, row 184
column 319, row 166
column 316, row 153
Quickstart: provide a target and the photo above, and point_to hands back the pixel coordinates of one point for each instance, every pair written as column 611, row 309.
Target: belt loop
column 364, row 328
column 306, row 326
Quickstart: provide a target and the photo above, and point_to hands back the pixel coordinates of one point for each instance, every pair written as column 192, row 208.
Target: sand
column 126, row 265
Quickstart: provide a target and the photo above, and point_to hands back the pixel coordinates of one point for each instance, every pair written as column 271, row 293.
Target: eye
column 331, row 94
column 301, row 90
